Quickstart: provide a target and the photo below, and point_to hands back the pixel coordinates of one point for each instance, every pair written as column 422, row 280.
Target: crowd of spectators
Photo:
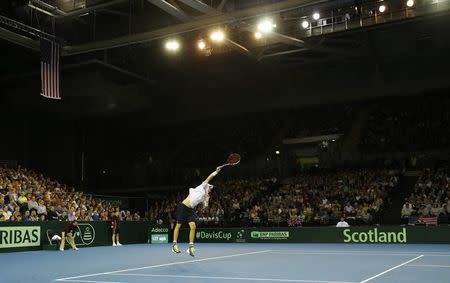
column 28, row 196
column 430, row 201
column 323, row 198
column 311, row 199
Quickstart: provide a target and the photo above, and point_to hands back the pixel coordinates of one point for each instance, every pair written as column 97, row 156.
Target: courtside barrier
column 360, row 234
column 23, row 236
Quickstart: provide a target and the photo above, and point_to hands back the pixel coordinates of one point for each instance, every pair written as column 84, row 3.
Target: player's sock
column 175, row 248
column 191, row 249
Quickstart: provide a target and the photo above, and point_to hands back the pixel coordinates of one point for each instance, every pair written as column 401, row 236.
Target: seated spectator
column 407, row 210
column 436, row 209
column 348, row 209
column 33, row 215
column 6, row 213
column 342, row 223
column 32, row 204
column 27, row 216
column 51, row 215
column 22, row 199
column 95, row 216
column 41, row 208
column 71, row 215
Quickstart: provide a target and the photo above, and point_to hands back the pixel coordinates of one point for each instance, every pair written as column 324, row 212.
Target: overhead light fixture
column 316, row 16
column 305, row 24
column 217, row 36
column 410, row 3
column 172, row 45
column 201, row 45
column 382, row 8
column 266, row 26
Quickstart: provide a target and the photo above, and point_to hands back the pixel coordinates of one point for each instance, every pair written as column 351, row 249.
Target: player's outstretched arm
column 212, row 175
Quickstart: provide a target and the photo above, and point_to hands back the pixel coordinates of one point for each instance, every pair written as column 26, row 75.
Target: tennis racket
column 233, row 159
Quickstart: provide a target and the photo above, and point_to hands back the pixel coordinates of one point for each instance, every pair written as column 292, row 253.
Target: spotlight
column 201, row 45
column 172, row 45
column 382, row 8
column 410, row 3
column 316, row 16
column 305, row 24
column 266, row 26
column 277, row 152
column 217, row 36
column 258, row 35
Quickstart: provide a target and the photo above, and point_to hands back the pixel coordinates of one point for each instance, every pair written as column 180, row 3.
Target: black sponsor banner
column 363, row 234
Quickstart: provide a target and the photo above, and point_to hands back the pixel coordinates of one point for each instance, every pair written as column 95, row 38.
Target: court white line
column 342, row 253
column 161, row 265
column 428, row 265
column 89, row 281
column 390, row 269
column 383, row 252
column 229, row 278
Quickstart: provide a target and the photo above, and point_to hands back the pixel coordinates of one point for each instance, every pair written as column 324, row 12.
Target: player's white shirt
column 196, row 195
column 342, row 224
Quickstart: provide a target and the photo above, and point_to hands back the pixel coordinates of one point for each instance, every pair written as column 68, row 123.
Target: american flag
column 429, row 220
column 295, row 221
column 50, row 69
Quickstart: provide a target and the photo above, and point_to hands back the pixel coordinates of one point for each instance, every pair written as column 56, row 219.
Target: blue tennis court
column 321, row 263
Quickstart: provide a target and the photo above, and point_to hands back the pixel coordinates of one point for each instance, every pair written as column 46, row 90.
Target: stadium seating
column 310, row 199
column 28, row 196
column 429, row 203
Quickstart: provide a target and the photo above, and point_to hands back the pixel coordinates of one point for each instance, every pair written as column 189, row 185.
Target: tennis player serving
column 185, row 210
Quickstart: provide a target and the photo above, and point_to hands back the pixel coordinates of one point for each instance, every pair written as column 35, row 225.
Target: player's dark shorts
column 185, row 214
column 114, row 228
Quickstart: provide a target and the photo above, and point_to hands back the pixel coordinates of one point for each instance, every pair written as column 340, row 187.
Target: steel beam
column 19, row 39
column 276, row 54
column 197, row 24
column 170, row 9
column 232, row 44
column 201, row 7
column 57, row 13
column 222, row 5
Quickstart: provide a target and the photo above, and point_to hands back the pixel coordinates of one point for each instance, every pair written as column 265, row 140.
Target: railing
column 369, row 14
column 25, row 28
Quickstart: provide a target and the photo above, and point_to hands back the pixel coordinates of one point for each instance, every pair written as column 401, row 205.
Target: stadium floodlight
column 172, row 45
column 382, row 8
column 316, row 16
column 201, row 44
column 305, row 24
column 265, row 26
column 217, row 36
column 410, row 3
column 258, row 35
